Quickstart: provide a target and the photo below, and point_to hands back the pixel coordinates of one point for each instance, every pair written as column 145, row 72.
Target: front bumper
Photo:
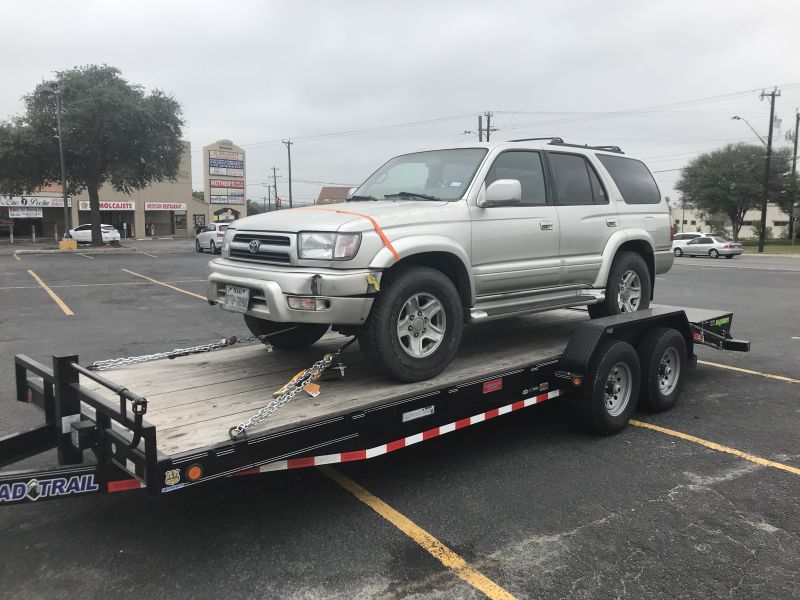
column 348, row 293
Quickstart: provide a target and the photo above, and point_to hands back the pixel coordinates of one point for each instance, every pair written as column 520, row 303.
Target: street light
column 56, row 91
column 738, row 118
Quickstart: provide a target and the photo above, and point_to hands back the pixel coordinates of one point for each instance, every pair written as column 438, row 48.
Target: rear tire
column 729, row 256
column 663, row 360
column 713, row 253
column 300, row 335
column 212, row 247
column 197, row 246
column 678, row 252
column 611, row 388
column 619, row 293
column 415, row 326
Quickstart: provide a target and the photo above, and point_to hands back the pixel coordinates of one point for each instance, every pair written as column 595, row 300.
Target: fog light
column 306, row 303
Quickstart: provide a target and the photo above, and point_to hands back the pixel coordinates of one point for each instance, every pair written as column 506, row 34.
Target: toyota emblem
column 254, row 246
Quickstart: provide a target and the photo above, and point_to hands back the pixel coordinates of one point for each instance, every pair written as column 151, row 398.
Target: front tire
column 628, row 288
column 713, row 253
column 415, row 326
column 611, row 388
column 663, row 359
column 729, row 256
column 296, row 336
column 678, row 252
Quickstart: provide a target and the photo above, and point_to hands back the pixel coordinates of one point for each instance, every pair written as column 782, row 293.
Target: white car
column 679, row 241
column 83, row 234
column 210, row 237
column 713, row 246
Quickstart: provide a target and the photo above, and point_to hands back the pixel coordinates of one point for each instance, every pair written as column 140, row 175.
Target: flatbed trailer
column 165, row 425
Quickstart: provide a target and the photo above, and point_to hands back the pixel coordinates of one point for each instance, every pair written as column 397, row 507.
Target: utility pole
column 765, row 193
column 480, row 128
column 488, row 129
column 288, row 144
column 275, row 186
column 792, row 194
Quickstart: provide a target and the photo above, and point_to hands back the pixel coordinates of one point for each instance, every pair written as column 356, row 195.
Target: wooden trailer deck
column 195, row 400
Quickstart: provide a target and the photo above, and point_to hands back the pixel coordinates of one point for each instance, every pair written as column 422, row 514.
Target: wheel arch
column 632, row 242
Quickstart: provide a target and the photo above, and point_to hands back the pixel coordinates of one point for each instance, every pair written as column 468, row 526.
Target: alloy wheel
column 630, row 292
column 421, row 325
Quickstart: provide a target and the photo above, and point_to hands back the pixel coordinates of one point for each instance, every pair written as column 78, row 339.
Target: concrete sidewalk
column 129, row 245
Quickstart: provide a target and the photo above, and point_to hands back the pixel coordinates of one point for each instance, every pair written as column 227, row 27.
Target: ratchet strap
column 375, row 225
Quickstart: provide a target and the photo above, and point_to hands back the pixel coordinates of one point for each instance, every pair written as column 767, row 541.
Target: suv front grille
column 273, row 248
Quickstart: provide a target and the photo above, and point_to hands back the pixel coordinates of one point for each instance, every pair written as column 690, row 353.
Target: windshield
column 434, row 175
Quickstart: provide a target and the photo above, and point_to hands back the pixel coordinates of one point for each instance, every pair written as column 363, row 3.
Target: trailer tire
column 631, row 267
column 663, row 359
column 611, row 388
column 380, row 340
column 301, row 336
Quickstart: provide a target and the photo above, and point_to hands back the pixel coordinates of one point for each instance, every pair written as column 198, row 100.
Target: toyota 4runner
column 439, row 238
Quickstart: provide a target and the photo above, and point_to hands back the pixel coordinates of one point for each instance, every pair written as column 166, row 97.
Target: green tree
column 198, row 195
column 113, row 132
column 254, row 207
column 728, row 181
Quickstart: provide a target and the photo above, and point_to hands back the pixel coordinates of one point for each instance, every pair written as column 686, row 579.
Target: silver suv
column 435, row 239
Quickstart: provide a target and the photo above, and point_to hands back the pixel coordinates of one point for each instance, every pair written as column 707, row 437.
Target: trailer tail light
column 194, row 472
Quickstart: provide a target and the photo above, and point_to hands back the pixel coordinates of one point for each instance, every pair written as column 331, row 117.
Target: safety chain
column 115, row 363
column 291, row 389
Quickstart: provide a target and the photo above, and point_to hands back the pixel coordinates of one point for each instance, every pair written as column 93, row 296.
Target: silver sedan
column 712, row 246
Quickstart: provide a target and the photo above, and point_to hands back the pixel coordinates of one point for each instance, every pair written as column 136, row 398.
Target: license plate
column 237, row 298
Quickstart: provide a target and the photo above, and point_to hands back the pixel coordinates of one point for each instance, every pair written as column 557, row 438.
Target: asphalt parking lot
column 528, row 501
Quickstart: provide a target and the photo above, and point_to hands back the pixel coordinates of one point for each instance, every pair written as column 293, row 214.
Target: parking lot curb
column 81, row 251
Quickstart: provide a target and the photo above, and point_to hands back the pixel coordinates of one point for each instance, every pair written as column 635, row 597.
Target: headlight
column 226, row 242
column 328, row 246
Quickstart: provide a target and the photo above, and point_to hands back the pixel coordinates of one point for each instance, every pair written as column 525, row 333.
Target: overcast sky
column 258, row 72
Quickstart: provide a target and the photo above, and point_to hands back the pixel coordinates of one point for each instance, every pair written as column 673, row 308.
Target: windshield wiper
column 411, row 195
column 360, row 198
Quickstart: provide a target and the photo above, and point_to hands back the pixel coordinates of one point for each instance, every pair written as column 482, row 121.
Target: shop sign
column 40, row 201
column 226, row 214
column 219, row 199
column 226, row 183
column 164, row 206
column 224, row 171
column 25, row 212
column 225, row 155
column 225, row 163
column 129, row 205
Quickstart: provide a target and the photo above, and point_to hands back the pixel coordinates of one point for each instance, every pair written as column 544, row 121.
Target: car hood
column 348, row 216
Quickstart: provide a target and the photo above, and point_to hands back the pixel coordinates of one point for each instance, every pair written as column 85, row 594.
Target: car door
column 515, row 248
column 82, row 233
column 698, row 246
column 204, row 236
column 585, row 212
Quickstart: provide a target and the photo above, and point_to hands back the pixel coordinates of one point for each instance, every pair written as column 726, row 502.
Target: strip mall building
column 159, row 210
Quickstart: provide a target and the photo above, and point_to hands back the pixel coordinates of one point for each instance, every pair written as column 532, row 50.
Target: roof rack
column 557, row 141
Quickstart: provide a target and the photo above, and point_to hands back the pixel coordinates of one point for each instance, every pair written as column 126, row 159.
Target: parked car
column 435, row 239
column 83, row 234
column 679, row 240
column 210, row 237
column 712, row 246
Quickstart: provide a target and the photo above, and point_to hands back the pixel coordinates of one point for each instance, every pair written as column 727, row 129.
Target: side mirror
column 503, row 192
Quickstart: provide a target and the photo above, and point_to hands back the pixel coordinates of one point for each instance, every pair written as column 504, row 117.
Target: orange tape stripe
column 375, row 225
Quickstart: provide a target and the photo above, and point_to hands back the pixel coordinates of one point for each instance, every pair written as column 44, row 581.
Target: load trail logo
column 47, row 488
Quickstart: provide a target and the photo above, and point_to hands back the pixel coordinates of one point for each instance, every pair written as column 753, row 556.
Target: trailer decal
column 341, row 457
column 35, row 489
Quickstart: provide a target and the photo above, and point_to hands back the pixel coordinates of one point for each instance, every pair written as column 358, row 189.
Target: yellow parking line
column 433, row 546
column 749, row 372
column 86, row 256
column 17, row 257
column 172, row 287
column 61, row 304
column 718, row 447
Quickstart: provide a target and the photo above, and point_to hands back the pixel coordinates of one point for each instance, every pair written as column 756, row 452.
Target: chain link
column 291, row 389
column 115, row 363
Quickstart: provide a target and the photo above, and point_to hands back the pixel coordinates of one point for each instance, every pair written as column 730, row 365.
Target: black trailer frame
column 126, row 457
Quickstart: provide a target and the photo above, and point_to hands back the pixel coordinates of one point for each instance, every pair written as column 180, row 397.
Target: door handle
column 611, row 221
column 546, row 225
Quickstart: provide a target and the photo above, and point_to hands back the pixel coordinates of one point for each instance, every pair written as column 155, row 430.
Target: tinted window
column 633, row 179
column 572, row 182
column 704, row 240
column 526, row 167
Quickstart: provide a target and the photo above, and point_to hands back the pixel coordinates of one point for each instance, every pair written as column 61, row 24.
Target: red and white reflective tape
column 340, row 457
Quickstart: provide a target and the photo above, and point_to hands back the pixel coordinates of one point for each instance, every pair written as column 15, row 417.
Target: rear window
column 633, row 179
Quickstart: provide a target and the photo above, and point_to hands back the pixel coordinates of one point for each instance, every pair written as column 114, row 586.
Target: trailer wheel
column 662, row 355
column 300, row 335
column 611, row 388
column 414, row 328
